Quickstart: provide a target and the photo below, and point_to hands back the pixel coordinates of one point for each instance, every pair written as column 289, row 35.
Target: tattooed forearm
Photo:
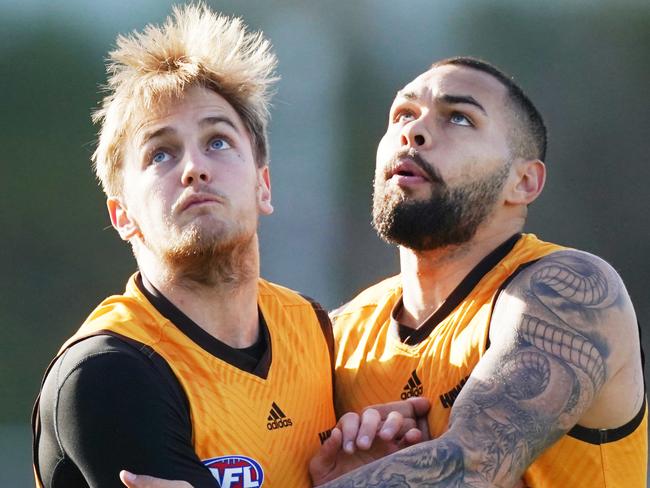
column 437, row 463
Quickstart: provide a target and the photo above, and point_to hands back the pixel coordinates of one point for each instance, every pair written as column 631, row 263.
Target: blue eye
column 460, row 119
column 160, row 157
column 404, row 116
column 219, row 144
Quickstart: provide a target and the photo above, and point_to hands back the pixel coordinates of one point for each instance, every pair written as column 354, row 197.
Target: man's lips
column 406, row 170
column 197, row 199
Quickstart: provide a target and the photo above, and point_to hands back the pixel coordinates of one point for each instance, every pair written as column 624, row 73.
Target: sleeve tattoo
column 540, row 381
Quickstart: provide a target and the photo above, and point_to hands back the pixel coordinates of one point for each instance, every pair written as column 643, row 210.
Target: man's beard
column 209, row 259
column 450, row 216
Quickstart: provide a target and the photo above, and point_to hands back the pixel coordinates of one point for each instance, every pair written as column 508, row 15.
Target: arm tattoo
column 421, row 465
column 573, row 286
column 536, row 394
column 570, row 347
column 553, row 373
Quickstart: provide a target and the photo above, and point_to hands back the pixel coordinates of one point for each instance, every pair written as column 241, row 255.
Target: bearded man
column 528, row 351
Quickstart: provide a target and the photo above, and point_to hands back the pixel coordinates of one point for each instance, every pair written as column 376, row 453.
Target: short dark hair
column 530, row 133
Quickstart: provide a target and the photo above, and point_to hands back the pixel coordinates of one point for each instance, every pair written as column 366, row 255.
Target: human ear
column 530, row 176
column 264, row 191
column 121, row 221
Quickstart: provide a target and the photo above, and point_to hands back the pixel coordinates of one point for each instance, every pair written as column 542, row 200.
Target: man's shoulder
column 571, row 308
column 582, row 290
column 100, row 352
column 387, row 290
column 88, row 361
column 119, row 313
column 573, row 274
column 125, row 307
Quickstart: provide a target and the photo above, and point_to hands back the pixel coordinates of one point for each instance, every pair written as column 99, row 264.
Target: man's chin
column 209, row 261
column 201, row 245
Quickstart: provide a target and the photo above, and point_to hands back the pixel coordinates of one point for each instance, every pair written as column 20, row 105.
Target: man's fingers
column 349, row 425
column 332, row 445
column 420, row 406
column 142, row 481
column 127, row 478
column 325, row 460
column 412, row 408
column 389, row 421
column 368, row 428
column 412, row 436
column 394, row 426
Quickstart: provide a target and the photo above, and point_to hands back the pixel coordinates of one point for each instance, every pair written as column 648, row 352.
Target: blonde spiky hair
column 195, row 46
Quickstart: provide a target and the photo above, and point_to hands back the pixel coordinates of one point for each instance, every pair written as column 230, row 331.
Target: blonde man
column 200, row 370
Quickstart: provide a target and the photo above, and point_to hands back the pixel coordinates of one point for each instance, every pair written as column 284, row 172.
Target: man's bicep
column 115, row 412
column 552, row 350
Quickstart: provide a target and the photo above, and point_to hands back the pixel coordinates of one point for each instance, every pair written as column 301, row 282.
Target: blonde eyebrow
column 164, row 131
column 216, row 120
column 147, row 136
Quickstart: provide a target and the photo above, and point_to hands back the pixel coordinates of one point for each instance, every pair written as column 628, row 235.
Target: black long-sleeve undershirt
column 107, row 406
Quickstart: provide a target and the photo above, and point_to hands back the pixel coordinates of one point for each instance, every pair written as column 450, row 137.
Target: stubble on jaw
column 198, row 258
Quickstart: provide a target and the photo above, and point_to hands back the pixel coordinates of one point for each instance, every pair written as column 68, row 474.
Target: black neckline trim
column 240, row 358
column 415, row 336
column 603, row 436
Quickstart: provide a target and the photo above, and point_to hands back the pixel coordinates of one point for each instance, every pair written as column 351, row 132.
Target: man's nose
column 195, row 170
column 415, row 134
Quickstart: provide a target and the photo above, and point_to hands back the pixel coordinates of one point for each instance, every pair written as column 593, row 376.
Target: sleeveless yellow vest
column 249, row 431
column 374, row 366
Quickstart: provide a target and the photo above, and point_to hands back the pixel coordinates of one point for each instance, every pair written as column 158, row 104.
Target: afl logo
column 236, row 471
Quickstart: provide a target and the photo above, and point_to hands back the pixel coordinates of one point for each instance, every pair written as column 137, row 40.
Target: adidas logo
column 413, row 387
column 277, row 419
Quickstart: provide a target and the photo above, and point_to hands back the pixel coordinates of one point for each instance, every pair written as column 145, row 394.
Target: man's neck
column 429, row 277
column 225, row 306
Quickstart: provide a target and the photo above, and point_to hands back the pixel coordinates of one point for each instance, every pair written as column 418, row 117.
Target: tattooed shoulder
column 578, row 278
column 578, row 289
column 571, row 309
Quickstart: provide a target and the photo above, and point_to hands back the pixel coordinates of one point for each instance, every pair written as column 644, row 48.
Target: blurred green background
column 585, row 63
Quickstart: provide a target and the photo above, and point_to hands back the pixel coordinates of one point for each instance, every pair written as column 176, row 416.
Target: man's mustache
column 414, row 156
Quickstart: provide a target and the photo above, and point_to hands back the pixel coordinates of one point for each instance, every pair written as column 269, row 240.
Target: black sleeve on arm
column 107, row 406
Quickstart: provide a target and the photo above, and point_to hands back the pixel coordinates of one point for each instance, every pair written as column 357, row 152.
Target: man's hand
column 404, row 421
column 142, row 481
column 360, row 439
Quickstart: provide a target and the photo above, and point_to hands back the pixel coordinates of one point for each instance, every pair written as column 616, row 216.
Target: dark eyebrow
column 408, row 95
column 449, row 99
column 453, row 99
